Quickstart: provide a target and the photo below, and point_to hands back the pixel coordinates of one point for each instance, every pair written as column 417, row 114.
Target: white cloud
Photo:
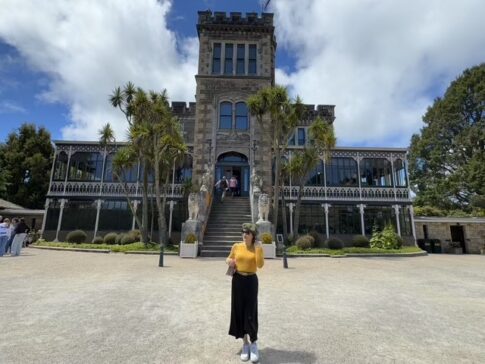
column 90, row 47
column 380, row 62
column 10, row 107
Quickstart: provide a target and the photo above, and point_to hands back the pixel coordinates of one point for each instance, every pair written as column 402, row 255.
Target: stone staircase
column 225, row 225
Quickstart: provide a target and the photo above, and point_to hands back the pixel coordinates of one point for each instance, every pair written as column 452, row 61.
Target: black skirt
column 244, row 307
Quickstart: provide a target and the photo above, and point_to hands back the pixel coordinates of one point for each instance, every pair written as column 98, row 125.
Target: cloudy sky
column 382, row 63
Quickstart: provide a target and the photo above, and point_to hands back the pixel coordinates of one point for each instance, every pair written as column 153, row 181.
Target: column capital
column 47, row 203
column 326, row 206
column 291, row 205
column 63, row 202
column 361, row 207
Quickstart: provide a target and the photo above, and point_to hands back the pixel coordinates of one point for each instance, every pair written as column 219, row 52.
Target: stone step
column 210, row 236
column 214, row 253
column 221, row 241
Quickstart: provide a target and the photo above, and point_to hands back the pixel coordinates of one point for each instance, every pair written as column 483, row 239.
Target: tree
column 277, row 116
column 447, row 158
column 303, row 163
column 25, row 161
column 155, row 138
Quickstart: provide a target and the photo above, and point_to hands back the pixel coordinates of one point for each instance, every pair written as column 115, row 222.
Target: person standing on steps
column 222, row 187
column 246, row 257
column 233, row 185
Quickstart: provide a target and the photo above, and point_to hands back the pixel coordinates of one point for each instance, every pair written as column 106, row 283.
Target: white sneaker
column 245, row 352
column 253, row 348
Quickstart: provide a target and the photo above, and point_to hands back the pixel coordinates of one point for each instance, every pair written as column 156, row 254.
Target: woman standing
column 246, row 258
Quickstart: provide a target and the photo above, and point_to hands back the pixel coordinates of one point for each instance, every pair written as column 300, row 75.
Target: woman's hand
column 232, row 262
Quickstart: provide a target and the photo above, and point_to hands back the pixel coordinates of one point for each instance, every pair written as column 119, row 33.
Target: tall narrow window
column 241, row 51
column 228, row 59
column 301, row 136
column 216, row 59
column 252, row 60
column 241, row 116
column 225, row 116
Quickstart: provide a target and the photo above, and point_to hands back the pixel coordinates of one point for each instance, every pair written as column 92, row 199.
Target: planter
column 455, row 250
column 189, row 250
column 482, row 251
column 269, row 250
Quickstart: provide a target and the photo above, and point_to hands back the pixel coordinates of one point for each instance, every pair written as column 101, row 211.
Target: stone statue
column 193, row 206
column 206, row 180
column 256, row 182
column 263, row 207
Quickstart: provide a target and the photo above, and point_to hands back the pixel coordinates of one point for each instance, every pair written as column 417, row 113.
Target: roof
column 4, row 204
column 450, row 219
column 21, row 212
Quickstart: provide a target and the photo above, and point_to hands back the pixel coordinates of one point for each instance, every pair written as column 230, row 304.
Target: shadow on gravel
column 269, row 356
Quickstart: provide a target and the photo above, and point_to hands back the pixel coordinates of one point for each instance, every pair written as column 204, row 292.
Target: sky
column 380, row 62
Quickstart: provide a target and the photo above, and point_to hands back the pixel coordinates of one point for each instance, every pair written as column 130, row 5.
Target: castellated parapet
column 251, row 20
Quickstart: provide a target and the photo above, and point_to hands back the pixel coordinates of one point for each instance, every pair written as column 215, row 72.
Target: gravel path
column 69, row 307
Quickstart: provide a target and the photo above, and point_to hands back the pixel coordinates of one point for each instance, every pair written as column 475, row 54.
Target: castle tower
column 236, row 59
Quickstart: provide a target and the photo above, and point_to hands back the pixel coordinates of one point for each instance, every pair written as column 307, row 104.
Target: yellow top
column 247, row 260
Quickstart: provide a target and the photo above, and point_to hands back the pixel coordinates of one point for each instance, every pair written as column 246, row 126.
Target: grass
column 113, row 248
column 292, row 250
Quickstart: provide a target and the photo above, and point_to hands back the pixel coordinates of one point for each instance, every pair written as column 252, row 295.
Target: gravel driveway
column 70, row 307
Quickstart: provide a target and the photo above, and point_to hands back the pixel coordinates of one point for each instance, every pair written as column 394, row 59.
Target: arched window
column 375, row 172
column 225, row 115
column 60, row 167
column 342, row 172
column 399, row 173
column 241, row 116
column 85, row 166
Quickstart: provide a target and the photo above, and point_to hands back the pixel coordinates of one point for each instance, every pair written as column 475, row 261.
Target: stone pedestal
column 192, row 227
column 254, row 207
column 264, row 227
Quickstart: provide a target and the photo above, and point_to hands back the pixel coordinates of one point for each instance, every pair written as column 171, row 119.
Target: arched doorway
column 234, row 164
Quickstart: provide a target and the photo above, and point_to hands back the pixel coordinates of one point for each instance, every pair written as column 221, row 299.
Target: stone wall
column 474, row 234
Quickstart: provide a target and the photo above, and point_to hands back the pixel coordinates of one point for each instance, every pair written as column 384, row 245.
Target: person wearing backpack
column 222, row 186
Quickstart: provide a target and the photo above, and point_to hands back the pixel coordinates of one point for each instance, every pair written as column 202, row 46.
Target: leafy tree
column 447, row 158
column 303, row 162
column 277, row 116
column 25, row 162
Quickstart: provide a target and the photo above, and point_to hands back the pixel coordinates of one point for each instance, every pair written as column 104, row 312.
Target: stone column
column 398, row 224
column 98, row 209
column 361, row 208
column 172, row 204
column 291, row 205
column 326, row 207
column 135, row 207
column 59, row 222
column 46, row 207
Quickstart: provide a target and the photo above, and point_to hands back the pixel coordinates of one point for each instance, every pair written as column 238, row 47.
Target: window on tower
column 228, row 59
column 216, row 59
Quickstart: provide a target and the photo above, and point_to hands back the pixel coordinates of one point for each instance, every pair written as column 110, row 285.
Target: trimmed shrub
column 360, row 241
column 98, row 240
column 334, row 243
column 290, row 240
column 119, row 237
column 127, row 239
column 305, row 242
column 110, row 238
column 136, row 234
column 318, row 238
column 266, row 238
column 190, row 239
column 76, row 236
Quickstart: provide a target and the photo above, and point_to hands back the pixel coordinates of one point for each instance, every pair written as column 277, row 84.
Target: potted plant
column 189, row 247
column 482, row 249
column 455, row 248
column 269, row 246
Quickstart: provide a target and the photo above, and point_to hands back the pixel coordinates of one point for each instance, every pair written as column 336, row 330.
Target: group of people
column 12, row 235
column 224, row 185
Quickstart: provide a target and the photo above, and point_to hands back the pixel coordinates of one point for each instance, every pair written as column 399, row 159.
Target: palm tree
column 277, row 116
column 303, row 163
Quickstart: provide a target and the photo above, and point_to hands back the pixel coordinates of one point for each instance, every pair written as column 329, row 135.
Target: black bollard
column 160, row 261
column 285, row 260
